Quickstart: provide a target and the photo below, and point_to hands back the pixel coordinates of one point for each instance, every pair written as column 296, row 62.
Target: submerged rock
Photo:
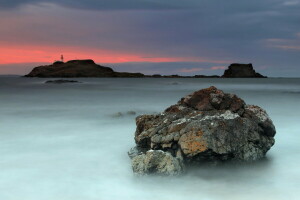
column 121, row 114
column 60, row 81
column 117, row 115
column 131, row 112
column 207, row 125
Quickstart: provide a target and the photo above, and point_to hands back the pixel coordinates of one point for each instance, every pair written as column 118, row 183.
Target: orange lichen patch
column 193, row 143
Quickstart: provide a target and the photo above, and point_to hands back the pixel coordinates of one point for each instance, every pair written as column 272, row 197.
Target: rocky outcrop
column 237, row 70
column 78, row 68
column 207, row 125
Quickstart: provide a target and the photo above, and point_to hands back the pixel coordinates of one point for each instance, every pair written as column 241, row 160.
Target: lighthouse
column 62, row 58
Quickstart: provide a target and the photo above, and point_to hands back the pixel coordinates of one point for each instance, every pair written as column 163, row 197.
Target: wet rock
column 135, row 151
column 156, row 162
column 207, row 125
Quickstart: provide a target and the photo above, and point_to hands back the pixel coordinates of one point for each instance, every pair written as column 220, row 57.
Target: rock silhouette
column 237, row 70
column 78, row 68
column 88, row 68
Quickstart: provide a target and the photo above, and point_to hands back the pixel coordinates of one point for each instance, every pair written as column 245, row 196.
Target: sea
column 70, row 141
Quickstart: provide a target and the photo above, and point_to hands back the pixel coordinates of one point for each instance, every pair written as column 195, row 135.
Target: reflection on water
column 64, row 142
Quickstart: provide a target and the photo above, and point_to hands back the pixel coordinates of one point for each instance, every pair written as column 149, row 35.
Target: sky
column 185, row 37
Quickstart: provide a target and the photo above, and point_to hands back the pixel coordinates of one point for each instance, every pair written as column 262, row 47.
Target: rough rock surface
column 78, row 68
column 207, row 125
column 157, row 162
column 237, row 70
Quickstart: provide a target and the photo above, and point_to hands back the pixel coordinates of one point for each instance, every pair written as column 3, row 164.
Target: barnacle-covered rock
column 207, row 125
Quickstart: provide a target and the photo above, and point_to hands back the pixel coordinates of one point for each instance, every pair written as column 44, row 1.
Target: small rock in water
column 60, row 81
column 131, row 112
column 174, row 83
column 207, row 125
column 118, row 114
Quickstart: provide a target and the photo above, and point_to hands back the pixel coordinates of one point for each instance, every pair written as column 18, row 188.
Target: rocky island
column 88, row 68
column 205, row 126
column 77, row 68
column 237, row 70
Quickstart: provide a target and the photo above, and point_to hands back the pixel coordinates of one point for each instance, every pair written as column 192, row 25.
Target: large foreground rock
column 207, row 125
column 237, row 70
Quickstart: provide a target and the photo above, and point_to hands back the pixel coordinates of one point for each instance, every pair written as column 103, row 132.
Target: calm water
column 62, row 142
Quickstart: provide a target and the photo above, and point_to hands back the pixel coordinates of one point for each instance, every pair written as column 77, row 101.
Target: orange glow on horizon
column 48, row 54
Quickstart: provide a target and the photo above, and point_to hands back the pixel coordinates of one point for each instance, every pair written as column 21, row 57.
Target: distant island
column 237, row 70
column 88, row 68
column 77, row 68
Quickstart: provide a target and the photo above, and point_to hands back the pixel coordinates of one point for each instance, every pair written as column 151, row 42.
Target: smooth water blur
column 63, row 142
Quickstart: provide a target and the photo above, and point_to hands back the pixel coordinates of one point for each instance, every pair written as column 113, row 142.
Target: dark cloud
column 207, row 6
column 105, row 4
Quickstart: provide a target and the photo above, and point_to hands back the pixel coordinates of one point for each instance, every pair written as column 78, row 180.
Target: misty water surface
column 62, row 142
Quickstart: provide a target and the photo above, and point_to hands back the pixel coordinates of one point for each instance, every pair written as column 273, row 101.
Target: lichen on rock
column 158, row 162
column 207, row 125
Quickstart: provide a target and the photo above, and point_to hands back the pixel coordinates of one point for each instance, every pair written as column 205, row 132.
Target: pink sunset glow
column 35, row 53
